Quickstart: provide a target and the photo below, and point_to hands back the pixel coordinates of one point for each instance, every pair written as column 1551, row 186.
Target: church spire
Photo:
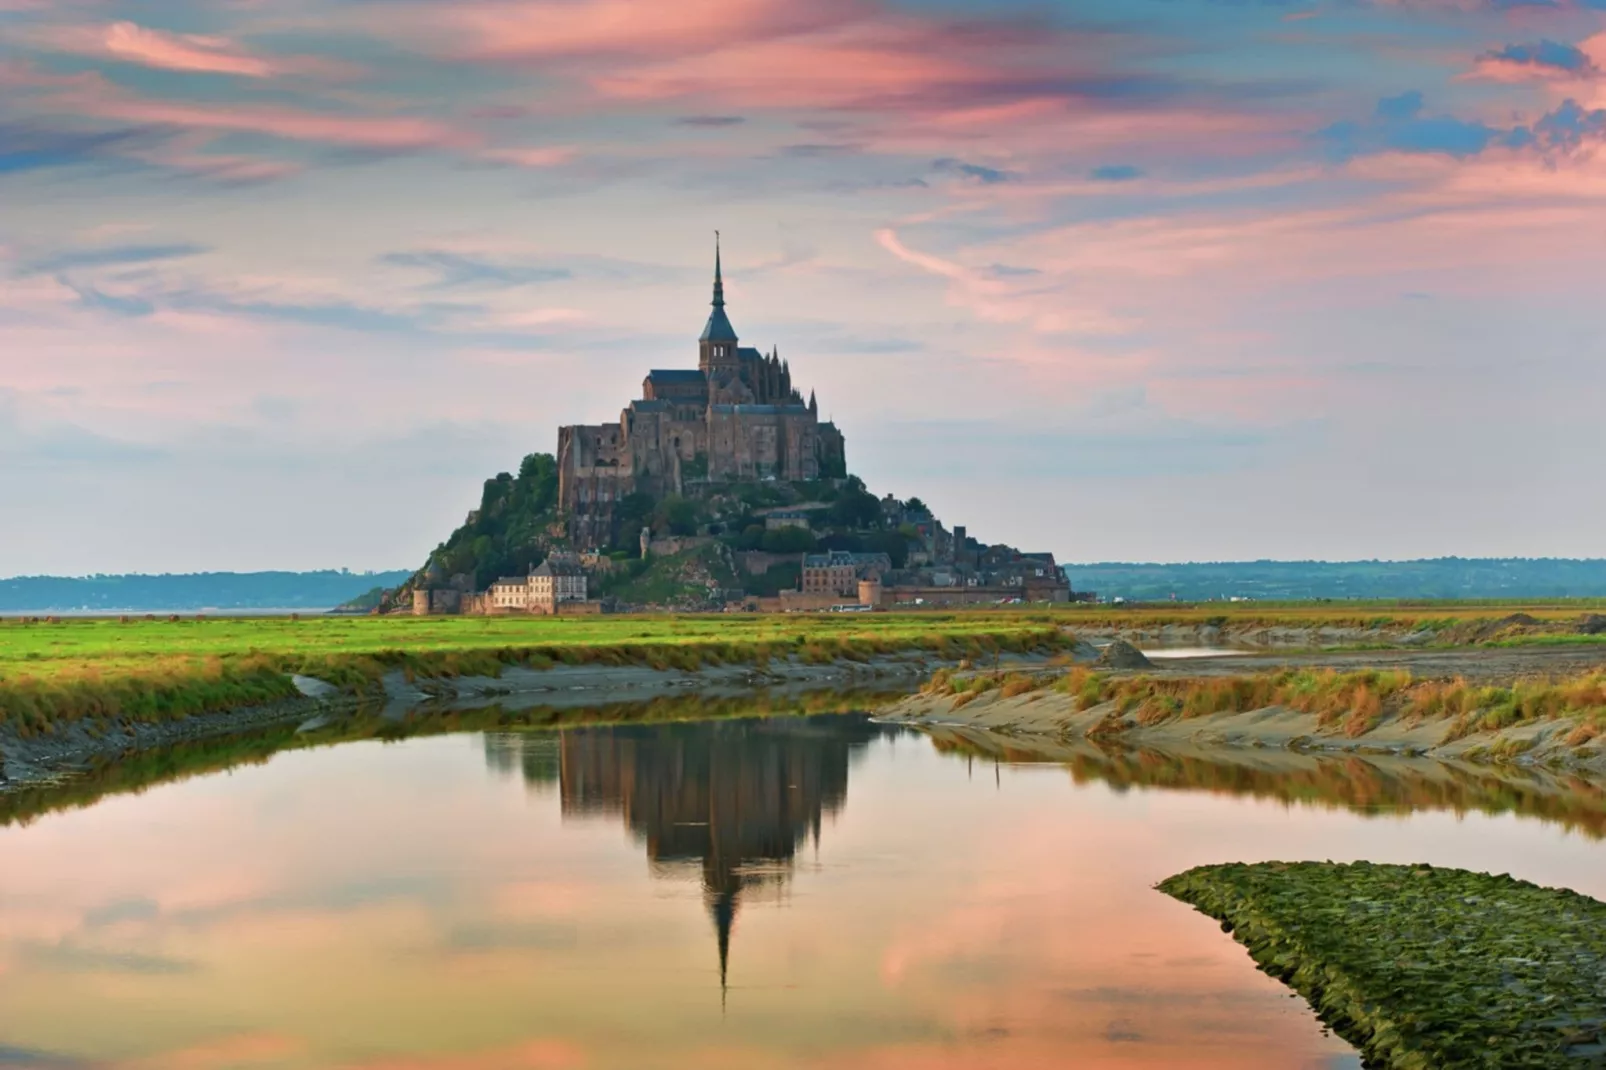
column 719, row 278
column 719, row 337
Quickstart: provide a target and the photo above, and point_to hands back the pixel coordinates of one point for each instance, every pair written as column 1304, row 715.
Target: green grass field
column 158, row 669
column 72, row 646
column 109, row 645
column 152, row 669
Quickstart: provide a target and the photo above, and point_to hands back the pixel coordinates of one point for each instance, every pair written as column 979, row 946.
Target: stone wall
column 675, row 544
column 958, row 596
column 759, row 562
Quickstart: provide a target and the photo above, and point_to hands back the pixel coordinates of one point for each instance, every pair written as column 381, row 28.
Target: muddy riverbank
column 1453, row 705
column 74, row 746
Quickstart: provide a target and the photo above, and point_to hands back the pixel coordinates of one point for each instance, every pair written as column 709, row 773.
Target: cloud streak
column 128, row 42
column 1542, row 60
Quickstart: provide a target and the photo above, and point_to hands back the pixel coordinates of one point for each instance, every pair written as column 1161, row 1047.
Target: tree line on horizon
column 1436, row 578
column 187, row 592
column 1443, row 578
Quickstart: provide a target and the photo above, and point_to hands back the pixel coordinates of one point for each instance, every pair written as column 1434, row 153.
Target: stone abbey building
column 736, row 417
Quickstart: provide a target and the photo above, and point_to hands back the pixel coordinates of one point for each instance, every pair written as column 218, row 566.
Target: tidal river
column 787, row 893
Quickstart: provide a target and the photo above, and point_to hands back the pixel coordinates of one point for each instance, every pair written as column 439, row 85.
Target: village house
column 556, row 582
column 839, row 572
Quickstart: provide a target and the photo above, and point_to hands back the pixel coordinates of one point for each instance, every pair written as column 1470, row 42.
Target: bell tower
column 716, row 348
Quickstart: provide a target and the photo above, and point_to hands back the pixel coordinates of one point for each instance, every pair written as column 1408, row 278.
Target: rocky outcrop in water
column 1123, row 655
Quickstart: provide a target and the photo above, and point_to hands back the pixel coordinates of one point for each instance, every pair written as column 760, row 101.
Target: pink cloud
column 856, row 66
column 580, row 28
column 129, row 42
column 533, row 157
column 837, row 54
column 371, row 132
column 181, row 52
column 1000, row 301
column 187, row 155
column 1500, row 69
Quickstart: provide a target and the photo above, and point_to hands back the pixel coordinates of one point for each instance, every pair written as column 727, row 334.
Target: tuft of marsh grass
column 1352, row 702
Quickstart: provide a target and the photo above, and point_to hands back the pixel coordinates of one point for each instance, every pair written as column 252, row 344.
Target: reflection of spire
column 724, row 803
column 723, row 908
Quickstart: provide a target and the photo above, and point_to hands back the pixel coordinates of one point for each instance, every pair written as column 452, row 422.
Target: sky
column 282, row 282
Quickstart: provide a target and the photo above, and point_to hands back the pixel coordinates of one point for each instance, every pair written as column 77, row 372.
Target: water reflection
column 1368, row 784
column 578, row 899
column 724, row 803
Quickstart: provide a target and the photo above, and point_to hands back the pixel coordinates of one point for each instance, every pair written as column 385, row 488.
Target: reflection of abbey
column 724, row 803
column 736, row 417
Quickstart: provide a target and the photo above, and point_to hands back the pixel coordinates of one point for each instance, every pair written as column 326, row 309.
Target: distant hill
column 195, row 591
column 1436, row 578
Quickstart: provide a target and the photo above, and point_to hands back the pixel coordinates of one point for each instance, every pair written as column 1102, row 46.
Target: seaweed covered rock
column 1123, row 655
column 1421, row 967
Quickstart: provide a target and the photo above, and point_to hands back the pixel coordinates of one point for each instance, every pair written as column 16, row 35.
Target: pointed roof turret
column 814, row 406
column 719, row 327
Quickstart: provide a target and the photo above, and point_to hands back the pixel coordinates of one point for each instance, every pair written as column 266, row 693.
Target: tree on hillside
column 855, row 507
column 676, row 516
column 632, row 513
column 511, row 531
column 891, row 543
column 788, row 541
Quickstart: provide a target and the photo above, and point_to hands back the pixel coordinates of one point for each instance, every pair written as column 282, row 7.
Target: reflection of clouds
column 237, row 1052
column 505, row 936
column 531, row 1055
column 34, row 1059
column 75, row 958
column 411, row 911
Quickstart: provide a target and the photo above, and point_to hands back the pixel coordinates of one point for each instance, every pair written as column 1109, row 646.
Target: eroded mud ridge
column 1543, row 707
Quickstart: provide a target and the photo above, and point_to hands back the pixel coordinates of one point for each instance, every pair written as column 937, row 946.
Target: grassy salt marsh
column 160, row 669
column 147, row 668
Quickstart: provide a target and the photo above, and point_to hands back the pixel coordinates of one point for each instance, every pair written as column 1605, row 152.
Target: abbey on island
column 736, row 417
column 759, row 483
